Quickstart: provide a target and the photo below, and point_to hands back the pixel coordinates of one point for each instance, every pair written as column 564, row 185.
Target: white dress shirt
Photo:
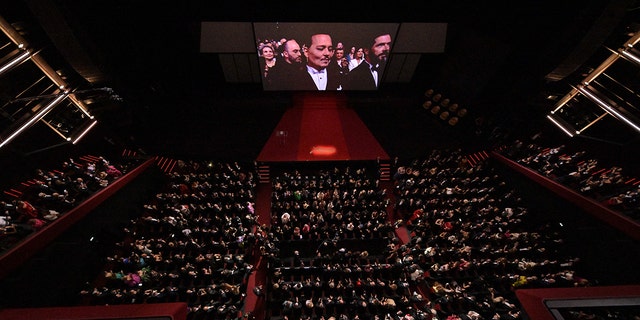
column 319, row 77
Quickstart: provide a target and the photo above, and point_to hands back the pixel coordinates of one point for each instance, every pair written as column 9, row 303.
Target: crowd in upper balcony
column 582, row 172
column 43, row 197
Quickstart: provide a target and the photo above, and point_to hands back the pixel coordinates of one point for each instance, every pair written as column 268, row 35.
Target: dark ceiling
column 171, row 98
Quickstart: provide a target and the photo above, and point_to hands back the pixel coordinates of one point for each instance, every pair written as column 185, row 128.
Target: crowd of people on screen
column 320, row 61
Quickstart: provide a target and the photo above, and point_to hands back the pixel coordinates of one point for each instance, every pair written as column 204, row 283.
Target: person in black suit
column 280, row 76
column 316, row 76
column 368, row 75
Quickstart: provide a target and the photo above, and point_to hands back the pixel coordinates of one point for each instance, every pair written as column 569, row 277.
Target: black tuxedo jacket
column 283, row 76
column 303, row 81
column 360, row 78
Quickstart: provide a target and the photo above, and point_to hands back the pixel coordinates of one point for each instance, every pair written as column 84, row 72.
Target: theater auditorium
column 203, row 160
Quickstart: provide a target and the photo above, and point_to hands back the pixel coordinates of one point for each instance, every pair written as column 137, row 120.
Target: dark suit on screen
column 361, row 78
column 283, row 76
column 304, row 81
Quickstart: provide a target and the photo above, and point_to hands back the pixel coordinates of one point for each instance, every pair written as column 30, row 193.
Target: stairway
column 385, row 170
column 264, row 173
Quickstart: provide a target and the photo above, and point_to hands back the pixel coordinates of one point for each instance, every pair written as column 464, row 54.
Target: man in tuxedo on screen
column 368, row 75
column 281, row 75
column 316, row 75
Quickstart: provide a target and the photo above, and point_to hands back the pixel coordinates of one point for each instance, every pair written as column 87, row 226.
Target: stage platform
column 321, row 127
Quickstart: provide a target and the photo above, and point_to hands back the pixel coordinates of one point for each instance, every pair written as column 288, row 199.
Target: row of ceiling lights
column 584, row 88
column 22, row 54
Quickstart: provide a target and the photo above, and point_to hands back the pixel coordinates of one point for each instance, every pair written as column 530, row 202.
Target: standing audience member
column 357, row 59
column 352, row 54
column 26, row 211
column 339, row 64
column 268, row 61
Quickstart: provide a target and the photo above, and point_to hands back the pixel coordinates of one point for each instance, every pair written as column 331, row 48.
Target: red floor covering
column 321, row 127
column 254, row 304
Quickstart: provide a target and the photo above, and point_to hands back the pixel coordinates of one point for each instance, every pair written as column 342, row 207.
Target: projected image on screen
column 323, row 56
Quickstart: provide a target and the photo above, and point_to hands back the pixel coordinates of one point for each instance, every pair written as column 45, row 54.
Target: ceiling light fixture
column 35, row 118
column 563, row 125
column 84, row 132
column 15, row 61
column 607, row 107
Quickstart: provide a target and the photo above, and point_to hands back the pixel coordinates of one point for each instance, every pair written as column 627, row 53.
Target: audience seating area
column 443, row 239
column 330, row 247
column 474, row 242
column 41, row 199
column 607, row 184
column 193, row 243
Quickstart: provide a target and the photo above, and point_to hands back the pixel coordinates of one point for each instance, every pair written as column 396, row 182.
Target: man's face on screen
column 320, row 51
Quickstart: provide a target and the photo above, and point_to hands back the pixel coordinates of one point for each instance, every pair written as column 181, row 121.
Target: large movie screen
column 323, row 56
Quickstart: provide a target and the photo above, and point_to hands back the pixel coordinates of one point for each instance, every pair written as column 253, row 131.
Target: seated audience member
column 113, row 172
column 26, row 211
column 5, row 221
column 576, row 171
column 36, row 223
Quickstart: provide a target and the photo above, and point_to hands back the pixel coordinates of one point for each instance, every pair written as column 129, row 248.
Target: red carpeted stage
column 321, row 127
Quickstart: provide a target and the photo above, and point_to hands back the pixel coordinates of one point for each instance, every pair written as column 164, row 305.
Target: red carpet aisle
column 321, row 127
column 254, row 304
column 263, row 203
column 401, row 231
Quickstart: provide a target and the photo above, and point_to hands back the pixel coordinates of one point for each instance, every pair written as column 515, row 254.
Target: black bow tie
column 375, row 68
